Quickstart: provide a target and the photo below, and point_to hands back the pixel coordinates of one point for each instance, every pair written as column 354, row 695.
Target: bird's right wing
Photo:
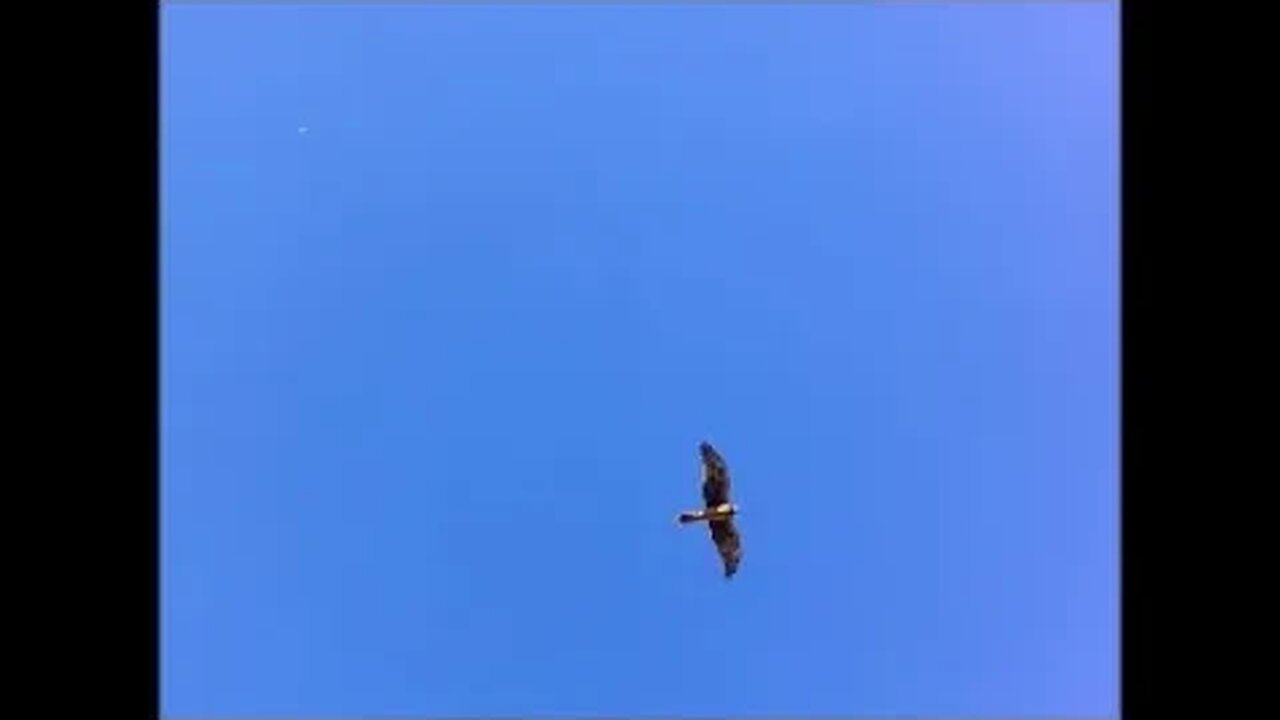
column 715, row 477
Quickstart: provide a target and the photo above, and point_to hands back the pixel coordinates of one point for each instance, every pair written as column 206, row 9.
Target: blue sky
column 450, row 295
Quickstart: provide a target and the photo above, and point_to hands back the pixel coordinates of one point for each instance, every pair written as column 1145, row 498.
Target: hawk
column 719, row 511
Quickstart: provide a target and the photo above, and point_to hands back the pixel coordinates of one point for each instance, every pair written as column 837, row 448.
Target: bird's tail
column 689, row 517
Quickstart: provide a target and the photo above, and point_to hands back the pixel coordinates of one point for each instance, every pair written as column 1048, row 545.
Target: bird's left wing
column 728, row 543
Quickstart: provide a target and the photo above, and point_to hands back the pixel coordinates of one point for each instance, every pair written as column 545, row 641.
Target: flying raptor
column 719, row 511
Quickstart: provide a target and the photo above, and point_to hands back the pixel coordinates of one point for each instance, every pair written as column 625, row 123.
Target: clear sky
column 450, row 296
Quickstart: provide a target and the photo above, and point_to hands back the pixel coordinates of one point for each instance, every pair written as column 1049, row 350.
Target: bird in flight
column 718, row 512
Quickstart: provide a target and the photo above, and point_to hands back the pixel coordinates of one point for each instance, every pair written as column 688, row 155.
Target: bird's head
column 707, row 452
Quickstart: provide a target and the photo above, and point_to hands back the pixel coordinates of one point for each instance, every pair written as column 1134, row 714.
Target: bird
column 719, row 510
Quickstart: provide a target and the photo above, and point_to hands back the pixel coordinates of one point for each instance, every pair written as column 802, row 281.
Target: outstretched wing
column 715, row 476
column 728, row 543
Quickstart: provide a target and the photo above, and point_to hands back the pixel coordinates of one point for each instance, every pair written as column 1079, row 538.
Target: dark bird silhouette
column 718, row 510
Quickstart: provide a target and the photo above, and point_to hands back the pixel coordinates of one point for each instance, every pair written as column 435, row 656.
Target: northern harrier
column 719, row 511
